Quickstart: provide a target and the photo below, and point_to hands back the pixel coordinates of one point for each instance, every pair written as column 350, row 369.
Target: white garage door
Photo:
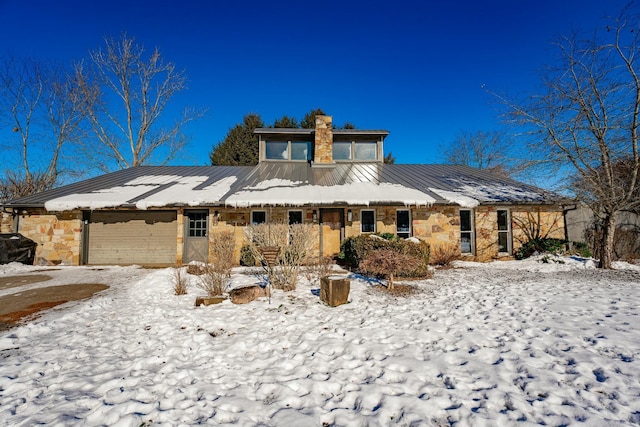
column 132, row 237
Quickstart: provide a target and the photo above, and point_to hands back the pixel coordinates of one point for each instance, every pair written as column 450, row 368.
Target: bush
column 296, row 246
column 246, row 257
column 389, row 263
column 180, row 281
column 223, row 243
column 580, row 249
column 213, row 280
column 355, row 249
column 444, row 254
column 541, row 245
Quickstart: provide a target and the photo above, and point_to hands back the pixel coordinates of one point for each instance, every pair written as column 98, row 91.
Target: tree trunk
column 606, row 244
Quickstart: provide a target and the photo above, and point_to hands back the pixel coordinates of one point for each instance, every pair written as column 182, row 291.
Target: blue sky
column 414, row 68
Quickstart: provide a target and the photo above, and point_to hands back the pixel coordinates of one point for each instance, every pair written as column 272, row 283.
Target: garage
column 131, row 237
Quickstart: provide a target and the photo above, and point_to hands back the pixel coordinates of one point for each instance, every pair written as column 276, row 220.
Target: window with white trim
column 504, row 231
column 467, row 240
column 368, row 221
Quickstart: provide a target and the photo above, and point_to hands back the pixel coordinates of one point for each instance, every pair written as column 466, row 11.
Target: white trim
column 472, row 232
column 507, row 232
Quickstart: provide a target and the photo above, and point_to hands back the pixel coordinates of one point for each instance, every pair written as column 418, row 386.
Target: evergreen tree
column 240, row 146
column 309, row 120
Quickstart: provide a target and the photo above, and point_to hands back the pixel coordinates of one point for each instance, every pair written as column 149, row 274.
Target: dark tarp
column 14, row 247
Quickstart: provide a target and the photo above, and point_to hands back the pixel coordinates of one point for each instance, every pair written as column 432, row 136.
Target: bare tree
column 40, row 104
column 126, row 94
column 587, row 119
column 482, row 150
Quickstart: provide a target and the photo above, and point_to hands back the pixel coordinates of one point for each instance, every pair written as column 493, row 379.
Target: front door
column 331, row 230
column 196, row 240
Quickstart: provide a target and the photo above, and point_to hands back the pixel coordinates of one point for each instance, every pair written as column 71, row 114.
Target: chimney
column 323, row 147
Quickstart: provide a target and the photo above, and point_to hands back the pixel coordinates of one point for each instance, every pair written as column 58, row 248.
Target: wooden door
column 331, row 230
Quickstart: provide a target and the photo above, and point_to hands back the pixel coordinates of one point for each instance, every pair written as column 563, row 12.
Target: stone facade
column 58, row 235
column 323, row 140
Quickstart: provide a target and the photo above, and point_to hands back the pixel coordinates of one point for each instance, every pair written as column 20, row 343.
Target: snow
column 487, row 193
column 497, row 344
column 147, row 192
column 289, row 193
column 454, row 197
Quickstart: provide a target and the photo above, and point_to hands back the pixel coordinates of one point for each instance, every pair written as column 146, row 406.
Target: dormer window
column 355, row 150
column 288, row 150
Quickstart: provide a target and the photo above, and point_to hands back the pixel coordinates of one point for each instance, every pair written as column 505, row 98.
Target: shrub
column 357, row 248
column 542, row 245
column 389, row 263
column 444, row 254
column 180, row 282
column 581, row 249
column 213, row 280
column 246, row 257
column 296, row 243
column 318, row 267
column 223, row 243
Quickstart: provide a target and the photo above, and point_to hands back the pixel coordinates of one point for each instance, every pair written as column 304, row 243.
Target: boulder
column 246, row 294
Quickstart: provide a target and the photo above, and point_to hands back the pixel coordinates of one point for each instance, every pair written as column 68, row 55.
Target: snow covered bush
column 389, row 263
column 355, row 249
column 296, row 245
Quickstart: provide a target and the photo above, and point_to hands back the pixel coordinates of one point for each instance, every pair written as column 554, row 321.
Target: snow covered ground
column 520, row 342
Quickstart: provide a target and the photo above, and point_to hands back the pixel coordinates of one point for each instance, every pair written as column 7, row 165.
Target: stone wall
column 546, row 221
column 6, row 222
column 323, row 147
column 58, row 235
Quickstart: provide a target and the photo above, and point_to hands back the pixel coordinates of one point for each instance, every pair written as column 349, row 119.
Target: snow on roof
column 146, row 192
column 288, row 184
column 289, row 193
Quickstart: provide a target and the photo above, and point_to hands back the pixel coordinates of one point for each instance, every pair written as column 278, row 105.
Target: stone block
column 334, row 290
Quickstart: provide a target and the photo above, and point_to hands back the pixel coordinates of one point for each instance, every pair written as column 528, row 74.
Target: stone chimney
column 323, row 147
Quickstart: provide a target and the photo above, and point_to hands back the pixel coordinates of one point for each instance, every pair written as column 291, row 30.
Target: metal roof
column 436, row 181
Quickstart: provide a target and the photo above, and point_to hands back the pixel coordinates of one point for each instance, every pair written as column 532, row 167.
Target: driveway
column 27, row 291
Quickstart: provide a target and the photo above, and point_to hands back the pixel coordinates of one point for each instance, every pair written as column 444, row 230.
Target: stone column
column 323, row 147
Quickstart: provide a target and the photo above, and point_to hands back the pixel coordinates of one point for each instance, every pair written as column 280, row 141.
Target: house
column 333, row 178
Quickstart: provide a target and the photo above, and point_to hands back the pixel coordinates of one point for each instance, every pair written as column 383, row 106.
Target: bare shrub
column 444, row 254
column 180, row 282
column 296, row 246
column 389, row 263
column 223, row 244
column 626, row 245
column 213, row 281
column 318, row 267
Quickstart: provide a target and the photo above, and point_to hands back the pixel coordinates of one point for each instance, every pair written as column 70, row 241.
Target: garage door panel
column 123, row 237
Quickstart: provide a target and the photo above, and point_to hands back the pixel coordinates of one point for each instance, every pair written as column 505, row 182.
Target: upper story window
column 288, row 150
column 355, row 150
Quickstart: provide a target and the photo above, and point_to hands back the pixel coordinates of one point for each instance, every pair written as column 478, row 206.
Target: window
column 258, row 217
column 277, row 150
column 288, row 150
column 365, row 151
column 368, row 221
column 295, row 217
column 504, row 231
column 403, row 223
column 197, row 225
column 466, row 232
column 341, row 150
column 300, row 150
